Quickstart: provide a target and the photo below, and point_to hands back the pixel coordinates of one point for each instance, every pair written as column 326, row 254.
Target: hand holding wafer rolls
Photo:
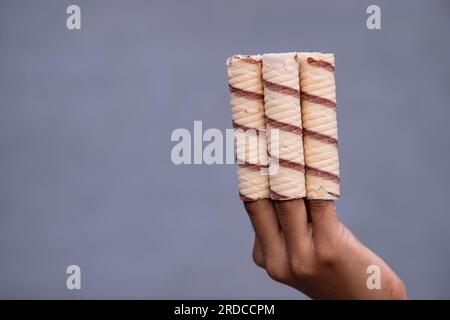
column 299, row 242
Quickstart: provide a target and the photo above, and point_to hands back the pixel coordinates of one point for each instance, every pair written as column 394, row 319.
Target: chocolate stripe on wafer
column 288, row 164
column 249, row 59
column 245, row 198
column 334, row 194
column 291, row 165
column 320, row 137
column 253, row 166
column 323, row 174
column 281, row 89
column 244, row 58
column 245, row 93
column 318, row 100
column 277, row 196
column 321, row 64
column 245, row 128
column 283, row 126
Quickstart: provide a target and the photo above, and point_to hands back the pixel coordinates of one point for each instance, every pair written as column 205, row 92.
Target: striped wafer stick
column 320, row 138
column 247, row 108
column 282, row 109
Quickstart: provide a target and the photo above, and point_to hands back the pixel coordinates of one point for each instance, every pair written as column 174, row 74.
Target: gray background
column 85, row 124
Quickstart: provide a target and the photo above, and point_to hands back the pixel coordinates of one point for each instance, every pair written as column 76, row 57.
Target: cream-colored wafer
column 284, row 124
column 247, row 108
column 320, row 137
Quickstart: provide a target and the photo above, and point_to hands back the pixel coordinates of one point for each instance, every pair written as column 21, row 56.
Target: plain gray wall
column 85, row 124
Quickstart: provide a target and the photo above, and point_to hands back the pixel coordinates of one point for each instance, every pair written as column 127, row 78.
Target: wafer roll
column 284, row 125
column 247, row 108
column 320, row 136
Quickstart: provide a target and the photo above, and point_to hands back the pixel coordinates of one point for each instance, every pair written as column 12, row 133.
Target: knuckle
column 258, row 259
column 302, row 269
column 276, row 272
column 326, row 255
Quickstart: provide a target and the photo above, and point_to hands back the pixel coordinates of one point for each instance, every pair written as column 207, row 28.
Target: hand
column 303, row 244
